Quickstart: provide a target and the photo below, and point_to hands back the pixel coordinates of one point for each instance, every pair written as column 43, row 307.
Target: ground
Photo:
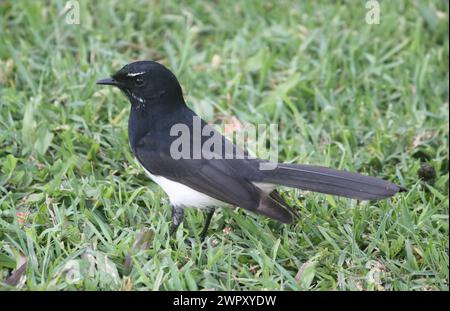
column 76, row 212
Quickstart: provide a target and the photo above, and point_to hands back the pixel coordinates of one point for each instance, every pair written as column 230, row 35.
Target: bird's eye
column 139, row 82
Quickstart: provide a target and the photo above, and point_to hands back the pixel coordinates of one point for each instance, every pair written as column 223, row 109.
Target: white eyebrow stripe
column 133, row 74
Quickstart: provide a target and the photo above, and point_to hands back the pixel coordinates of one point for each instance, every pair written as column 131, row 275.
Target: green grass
column 367, row 98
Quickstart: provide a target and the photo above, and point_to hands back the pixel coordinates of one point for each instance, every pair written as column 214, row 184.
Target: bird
column 210, row 178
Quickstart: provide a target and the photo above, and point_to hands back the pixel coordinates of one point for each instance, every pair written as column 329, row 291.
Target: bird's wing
column 222, row 179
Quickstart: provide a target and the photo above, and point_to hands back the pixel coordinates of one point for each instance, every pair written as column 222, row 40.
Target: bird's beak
column 108, row 81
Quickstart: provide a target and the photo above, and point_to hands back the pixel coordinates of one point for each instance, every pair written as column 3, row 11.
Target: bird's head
column 145, row 82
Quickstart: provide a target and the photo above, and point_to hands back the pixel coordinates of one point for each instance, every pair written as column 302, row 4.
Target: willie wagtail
column 216, row 178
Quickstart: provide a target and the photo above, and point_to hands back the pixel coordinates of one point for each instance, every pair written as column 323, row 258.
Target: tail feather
column 331, row 181
column 272, row 205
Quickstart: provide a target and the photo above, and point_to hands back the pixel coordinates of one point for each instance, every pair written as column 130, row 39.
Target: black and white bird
column 215, row 178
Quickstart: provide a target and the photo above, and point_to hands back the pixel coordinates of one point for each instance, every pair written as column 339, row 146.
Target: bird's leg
column 209, row 215
column 177, row 219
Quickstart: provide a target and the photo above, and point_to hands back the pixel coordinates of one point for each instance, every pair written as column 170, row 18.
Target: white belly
column 183, row 196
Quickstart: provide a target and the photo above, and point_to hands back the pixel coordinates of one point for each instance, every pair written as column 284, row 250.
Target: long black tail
column 331, row 181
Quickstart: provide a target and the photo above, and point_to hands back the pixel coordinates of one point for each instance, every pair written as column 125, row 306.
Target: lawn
column 76, row 211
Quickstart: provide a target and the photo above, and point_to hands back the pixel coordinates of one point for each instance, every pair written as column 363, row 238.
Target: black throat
column 155, row 116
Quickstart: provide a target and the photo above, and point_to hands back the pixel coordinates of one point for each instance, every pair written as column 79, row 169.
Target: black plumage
column 157, row 104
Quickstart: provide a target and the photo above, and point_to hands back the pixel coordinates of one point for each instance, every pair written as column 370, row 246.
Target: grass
column 77, row 213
